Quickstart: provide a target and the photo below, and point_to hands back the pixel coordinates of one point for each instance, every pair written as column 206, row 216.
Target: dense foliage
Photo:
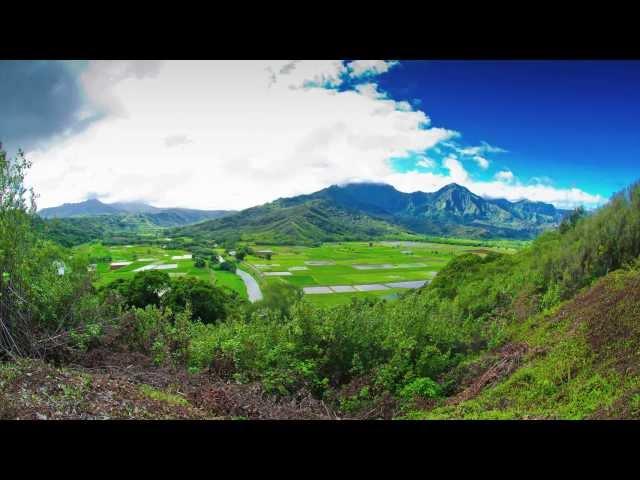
column 358, row 356
column 205, row 301
column 405, row 346
column 308, row 223
column 43, row 290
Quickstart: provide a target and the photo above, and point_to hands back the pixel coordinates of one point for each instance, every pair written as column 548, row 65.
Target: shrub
column 157, row 332
column 422, row 387
column 228, row 266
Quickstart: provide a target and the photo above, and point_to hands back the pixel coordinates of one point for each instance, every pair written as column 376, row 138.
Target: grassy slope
column 578, row 360
column 308, row 223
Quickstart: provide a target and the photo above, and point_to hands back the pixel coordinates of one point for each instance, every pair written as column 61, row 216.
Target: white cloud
column 176, row 140
column 425, row 162
column 481, row 161
column 477, row 153
column 257, row 131
column 304, row 74
column 363, row 68
column 457, row 173
column 513, row 191
column 250, row 132
column 99, row 79
column 370, row 90
column 505, row 176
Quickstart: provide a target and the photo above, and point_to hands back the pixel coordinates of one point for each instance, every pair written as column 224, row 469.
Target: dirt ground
column 128, row 386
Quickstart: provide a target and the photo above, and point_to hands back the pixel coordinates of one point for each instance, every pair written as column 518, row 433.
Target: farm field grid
column 142, row 256
column 352, row 266
column 329, row 274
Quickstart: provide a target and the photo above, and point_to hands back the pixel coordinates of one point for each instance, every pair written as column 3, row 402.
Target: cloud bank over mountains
column 233, row 134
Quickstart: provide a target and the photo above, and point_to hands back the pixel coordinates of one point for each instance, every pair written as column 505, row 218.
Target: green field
column 357, row 263
column 346, row 263
column 141, row 255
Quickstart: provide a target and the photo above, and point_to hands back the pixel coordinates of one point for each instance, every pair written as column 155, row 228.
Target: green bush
column 422, row 387
column 159, row 333
column 228, row 266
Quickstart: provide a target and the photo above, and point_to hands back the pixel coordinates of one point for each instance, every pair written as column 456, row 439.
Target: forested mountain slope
column 363, row 211
column 297, row 222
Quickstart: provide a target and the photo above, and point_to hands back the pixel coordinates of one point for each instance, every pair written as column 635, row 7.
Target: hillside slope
column 296, row 222
column 363, row 211
column 578, row 360
column 70, row 231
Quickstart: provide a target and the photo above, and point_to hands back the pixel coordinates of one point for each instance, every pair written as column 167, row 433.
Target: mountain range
column 371, row 210
column 161, row 217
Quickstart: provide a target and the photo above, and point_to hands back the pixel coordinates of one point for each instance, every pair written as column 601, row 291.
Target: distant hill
column 83, row 209
column 371, row 210
column 75, row 223
column 157, row 216
column 294, row 221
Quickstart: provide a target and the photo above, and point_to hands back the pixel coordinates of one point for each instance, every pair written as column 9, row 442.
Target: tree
column 228, row 266
column 199, row 262
column 146, row 287
column 571, row 220
column 208, row 302
column 17, row 207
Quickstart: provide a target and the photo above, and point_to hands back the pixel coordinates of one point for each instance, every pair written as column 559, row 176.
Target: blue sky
column 233, row 134
column 575, row 122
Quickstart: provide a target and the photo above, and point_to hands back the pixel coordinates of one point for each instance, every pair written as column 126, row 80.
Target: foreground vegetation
column 550, row 331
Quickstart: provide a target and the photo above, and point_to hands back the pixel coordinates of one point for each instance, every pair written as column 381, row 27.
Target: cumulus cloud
column 457, row 173
column 100, row 79
column 481, row 161
column 305, row 74
column 505, row 176
column 370, row 90
column 251, row 132
column 252, row 139
column 513, row 191
column 364, row 68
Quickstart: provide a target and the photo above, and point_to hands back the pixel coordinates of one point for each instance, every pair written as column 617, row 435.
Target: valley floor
column 333, row 273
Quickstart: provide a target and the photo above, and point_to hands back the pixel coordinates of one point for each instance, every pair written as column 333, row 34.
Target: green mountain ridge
column 364, row 211
column 75, row 223
column 158, row 216
column 293, row 222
